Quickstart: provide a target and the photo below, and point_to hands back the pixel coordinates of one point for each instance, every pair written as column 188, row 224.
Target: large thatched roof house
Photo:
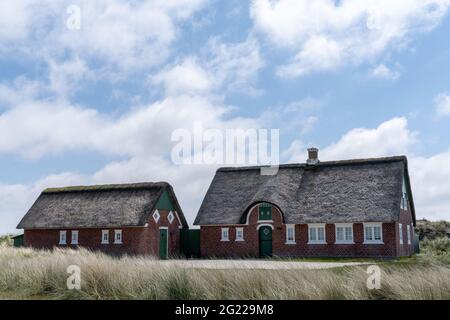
column 141, row 218
column 337, row 208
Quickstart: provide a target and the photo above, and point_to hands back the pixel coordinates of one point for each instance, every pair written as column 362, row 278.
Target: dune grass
column 32, row 274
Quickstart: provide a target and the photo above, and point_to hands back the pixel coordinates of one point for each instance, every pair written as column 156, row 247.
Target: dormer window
column 265, row 212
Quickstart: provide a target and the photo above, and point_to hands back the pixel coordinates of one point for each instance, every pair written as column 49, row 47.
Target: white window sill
column 63, row 244
column 105, row 242
column 344, row 242
column 317, row 242
column 265, row 221
column 74, row 243
column 373, row 242
column 239, row 240
column 290, row 242
column 118, row 242
column 224, row 240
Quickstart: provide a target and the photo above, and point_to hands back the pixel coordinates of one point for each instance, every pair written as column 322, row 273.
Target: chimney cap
column 313, row 156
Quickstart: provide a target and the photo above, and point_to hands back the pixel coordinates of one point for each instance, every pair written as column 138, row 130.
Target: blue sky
column 98, row 103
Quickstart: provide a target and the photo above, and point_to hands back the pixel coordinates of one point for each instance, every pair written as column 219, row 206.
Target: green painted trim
column 164, row 202
column 265, row 212
column 163, row 243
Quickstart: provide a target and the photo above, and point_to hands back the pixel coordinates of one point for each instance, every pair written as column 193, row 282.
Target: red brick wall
column 135, row 240
column 405, row 249
column 211, row 244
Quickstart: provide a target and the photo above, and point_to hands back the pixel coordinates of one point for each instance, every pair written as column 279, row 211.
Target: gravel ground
column 256, row 264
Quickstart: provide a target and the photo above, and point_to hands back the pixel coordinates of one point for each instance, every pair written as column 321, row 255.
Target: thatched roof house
column 136, row 214
column 353, row 208
column 327, row 192
column 102, row 206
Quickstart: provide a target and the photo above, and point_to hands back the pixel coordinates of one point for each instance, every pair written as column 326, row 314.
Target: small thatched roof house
column 142, row 218
column 325, row 203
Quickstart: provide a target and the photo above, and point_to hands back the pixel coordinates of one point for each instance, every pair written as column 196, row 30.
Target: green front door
column 265, row 241
column 163, row 243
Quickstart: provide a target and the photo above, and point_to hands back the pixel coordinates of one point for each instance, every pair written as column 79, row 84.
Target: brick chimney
column 313, row 156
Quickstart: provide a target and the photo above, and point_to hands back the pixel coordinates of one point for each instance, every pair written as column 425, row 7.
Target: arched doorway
column 265, row 241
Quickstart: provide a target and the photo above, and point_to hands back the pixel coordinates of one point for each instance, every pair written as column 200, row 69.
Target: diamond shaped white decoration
column 156, row 216
column 170, row 217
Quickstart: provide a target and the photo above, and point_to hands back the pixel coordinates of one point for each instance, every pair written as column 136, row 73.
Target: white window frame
column 222, row 237
column 412, row 232
column 317, row 226
column 170, row 217
column 408, row 229
column 237, row 233
column 290, row 227
column 373, row 225
column 400, row 233
column 74, row 240
column 62, row 240
column 156, row 215
column 344, row 226
column 105, row 232
column 116, row 233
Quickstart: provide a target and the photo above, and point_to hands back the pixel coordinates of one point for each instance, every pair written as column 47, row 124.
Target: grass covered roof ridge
column 106, row 187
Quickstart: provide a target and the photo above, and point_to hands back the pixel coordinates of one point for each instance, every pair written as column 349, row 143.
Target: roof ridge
column 107, row 187
column 322, row 163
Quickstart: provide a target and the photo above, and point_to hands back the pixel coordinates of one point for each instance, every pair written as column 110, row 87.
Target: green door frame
column 265, row 240
column 163, row 242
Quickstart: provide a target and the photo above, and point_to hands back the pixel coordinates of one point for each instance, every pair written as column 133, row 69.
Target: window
column 373, row 233
column 63, row 237
column 170, row 217
column 225, row 235
column 156, row 216
column 118, row 236
column 408, row 230
column 105, row 236
column 316, row 233
column 400, row 232
column 290, row 234
column 74, row 237
column 239, row 234
column 344, row 233
column 265, row 211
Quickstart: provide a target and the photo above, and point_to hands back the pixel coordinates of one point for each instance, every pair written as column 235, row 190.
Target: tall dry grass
column 42, row 274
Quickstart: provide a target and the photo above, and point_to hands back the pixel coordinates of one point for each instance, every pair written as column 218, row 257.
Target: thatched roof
column 328, row 192
column 99, row 206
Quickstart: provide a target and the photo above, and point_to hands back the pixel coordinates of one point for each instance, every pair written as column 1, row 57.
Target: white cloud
column 442, row 102
column 221, row 68
column 430, row 178
column 16, row 199
column 186, row 77
column 297, row 117
column 378, row 142
column 117, row 34
column 37, row 128
column 318, row 54
column 14, row 20
column 235, row 65
column 383, row 72
column 328, row 34
column 67, row 76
